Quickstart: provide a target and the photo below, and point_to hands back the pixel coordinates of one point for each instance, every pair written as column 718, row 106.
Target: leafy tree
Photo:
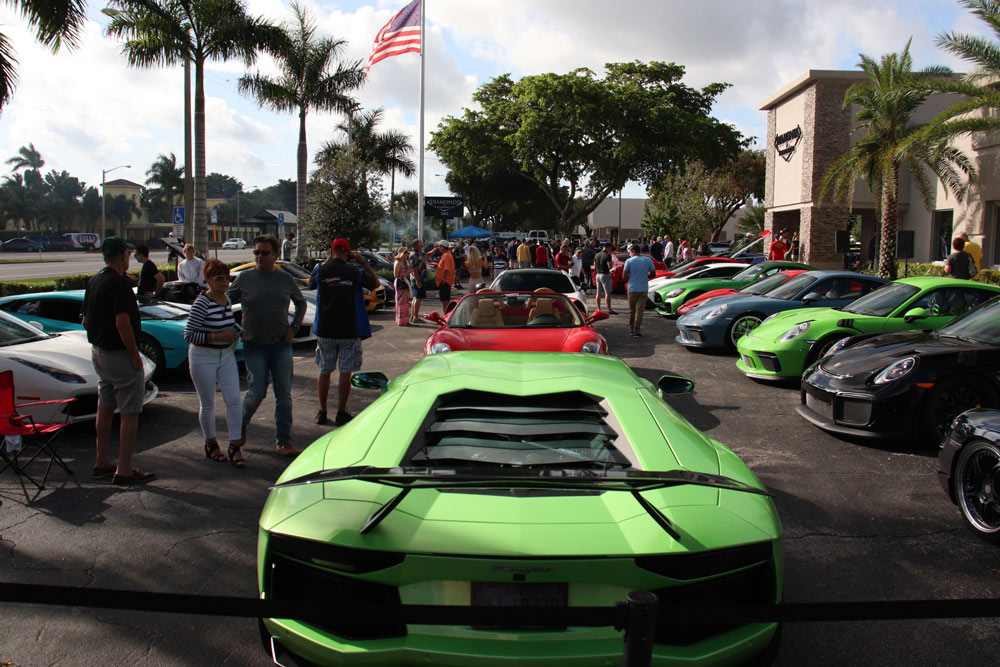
column 61, row 205
column 167, row 180
column 886, row 104
column 121, row 208
column 384, row 153
column 305, row 83
column 90, row 209
column 55, row 22
column 17, row 205
column 340, row 205
column 27, row 158
column 168, row 32
column 702, row 199
column 220, row 185
column 753, row 221
column 580, row 138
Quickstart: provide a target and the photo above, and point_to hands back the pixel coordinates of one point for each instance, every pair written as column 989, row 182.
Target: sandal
column 234, row 451
column 212, row 451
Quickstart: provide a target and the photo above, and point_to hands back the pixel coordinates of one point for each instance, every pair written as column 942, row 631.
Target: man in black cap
column 111, row 318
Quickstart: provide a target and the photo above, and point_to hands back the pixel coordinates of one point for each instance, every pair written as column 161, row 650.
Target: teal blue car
column 162, row 337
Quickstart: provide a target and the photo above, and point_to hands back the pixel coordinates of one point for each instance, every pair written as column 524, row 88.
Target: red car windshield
column 515, row 310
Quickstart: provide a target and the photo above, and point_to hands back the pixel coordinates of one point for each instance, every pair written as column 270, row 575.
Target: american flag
column 400, row 35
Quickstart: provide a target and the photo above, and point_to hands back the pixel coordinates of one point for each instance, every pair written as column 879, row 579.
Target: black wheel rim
column 149, row 349
column 951, row 403
column 979, row 477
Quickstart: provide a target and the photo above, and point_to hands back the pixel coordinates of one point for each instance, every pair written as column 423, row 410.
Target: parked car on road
column 529, row 280
column 21, row 245
column 967, row 469
column 83, row 240
column 234, row 244
column 52, row 242
column 668, row 302
column 516, row 479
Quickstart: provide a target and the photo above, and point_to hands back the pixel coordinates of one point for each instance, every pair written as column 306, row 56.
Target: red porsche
column 541, row 321
column 758, row 287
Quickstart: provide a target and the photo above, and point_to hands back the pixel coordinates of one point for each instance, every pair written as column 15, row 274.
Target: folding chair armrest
column 59, row 400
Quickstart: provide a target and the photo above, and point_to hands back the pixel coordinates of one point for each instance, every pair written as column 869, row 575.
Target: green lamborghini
column 515, row 480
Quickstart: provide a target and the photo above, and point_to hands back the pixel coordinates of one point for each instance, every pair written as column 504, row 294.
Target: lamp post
column 104, row 173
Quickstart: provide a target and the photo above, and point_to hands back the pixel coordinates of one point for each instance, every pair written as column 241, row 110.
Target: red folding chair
column 41, row 437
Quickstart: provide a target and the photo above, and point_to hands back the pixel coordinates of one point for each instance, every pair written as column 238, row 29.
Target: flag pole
column 420, row 164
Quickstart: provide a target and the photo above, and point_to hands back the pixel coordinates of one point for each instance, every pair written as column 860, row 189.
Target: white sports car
column 50, row 367
column 528, row 280
column 234, row 244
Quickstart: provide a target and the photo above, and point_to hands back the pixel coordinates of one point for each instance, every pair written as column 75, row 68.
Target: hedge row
column 75, row 281
column 990, row 276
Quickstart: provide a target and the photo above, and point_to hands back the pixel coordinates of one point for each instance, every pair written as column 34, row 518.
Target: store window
column 941, row 238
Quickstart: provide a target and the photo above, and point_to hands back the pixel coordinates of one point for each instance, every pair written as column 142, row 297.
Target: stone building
column 808, row 129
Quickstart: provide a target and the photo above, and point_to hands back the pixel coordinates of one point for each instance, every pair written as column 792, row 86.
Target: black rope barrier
column 694, row 614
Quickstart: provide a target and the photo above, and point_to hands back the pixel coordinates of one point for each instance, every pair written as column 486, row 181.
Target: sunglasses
column 261, row 252
column 221, row 276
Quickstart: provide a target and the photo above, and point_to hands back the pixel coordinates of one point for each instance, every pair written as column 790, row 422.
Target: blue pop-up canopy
column 470, row 232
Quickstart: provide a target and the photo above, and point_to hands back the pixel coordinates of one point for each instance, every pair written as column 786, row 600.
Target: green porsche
column 668, row 299
column 784, row 345
column 515, row 480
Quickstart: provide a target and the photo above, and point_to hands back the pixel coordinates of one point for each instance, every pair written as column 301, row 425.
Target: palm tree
column 886, row 104
column 17, row 204
column 27, row 158
column 305, row 83
column 121, row 208
column 167, row 180
column 165, row 32
column 54, row 22
column 385, row 153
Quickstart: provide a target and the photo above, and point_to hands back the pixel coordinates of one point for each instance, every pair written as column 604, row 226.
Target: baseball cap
column 340, row 244
column 115, row 245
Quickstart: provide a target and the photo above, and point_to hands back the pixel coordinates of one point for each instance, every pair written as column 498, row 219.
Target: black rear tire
column 149, row 347
column 951, row 397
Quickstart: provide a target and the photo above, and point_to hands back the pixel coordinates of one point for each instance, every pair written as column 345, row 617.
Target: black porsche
column 969, row 470
column 907, row 384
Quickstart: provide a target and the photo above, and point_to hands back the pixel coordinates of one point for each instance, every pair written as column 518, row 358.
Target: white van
column 538, row 235
column 83, row 241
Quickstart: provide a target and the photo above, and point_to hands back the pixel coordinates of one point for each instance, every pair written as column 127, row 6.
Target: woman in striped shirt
column 211, row 333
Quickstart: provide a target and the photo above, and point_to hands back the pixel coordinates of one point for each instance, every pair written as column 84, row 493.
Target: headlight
column 896, row 370
column 365, row 291
column 768, row 319
column 838, row 346
column 717, row 312
column 440, row 347
column 591, row 347
column 672, row 293
column 56, row 373
column 794, row 332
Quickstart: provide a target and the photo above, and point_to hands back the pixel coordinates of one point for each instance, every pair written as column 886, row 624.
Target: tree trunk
column 890, row 223
column 188, row 158
column 302, row 160
column 200, row 214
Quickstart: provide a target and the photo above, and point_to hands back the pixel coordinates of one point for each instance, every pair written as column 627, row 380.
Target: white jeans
column 208, row 367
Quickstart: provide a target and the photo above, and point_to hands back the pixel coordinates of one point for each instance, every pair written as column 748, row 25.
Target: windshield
column 690, row 272
column 981, row 324
column 566, row 429
column 882, row 301
column 765, row 285
column 295, row 270
column 514, row 310
column 160, row 311
column 749, row 273
column 683, row 266
column 529, row 281
column 13, row 332
column 789, row 289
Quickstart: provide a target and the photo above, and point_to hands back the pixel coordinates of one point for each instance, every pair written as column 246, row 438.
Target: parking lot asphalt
column 863, row 520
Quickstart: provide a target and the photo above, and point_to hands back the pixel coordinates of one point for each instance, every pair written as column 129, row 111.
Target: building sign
column 786, row 142
column 443, row 207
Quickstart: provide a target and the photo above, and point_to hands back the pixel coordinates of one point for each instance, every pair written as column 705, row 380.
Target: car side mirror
column 478, row 286
column 674, row 384
column 597, row 316
column 36, row 324
column 436, row 318
column 812, row 296
column 375, row 380
column 914, row 314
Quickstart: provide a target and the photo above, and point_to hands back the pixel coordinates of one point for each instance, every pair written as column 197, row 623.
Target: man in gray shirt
column 265, row 293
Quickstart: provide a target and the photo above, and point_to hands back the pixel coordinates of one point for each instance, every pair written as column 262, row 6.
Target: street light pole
column 104, row 173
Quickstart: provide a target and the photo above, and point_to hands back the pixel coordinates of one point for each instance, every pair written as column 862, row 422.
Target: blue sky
column 86, row 110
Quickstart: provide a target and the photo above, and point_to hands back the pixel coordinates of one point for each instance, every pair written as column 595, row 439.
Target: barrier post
column 640, row 628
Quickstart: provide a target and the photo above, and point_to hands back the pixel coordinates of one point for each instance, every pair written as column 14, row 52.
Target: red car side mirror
column 597, row 317
column 435, row 318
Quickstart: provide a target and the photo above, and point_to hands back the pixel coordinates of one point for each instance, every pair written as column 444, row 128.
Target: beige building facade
column 808, row 129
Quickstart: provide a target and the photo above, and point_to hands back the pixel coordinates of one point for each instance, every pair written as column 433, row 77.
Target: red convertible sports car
column 539, row 321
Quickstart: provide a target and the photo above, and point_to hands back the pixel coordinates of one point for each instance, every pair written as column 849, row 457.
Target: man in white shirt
column 190, row 268
column 668, row 251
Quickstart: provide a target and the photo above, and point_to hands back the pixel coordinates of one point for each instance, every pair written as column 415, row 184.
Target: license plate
column 818, row 406
column 505, row 594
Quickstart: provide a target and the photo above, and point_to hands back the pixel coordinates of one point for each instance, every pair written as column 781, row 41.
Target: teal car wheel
column 148, row 346
column 742, row 325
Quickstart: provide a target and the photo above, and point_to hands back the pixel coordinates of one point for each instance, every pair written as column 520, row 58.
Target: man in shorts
column 418, row 268
column 338, row 344
column 111, row 318
column 602, row 270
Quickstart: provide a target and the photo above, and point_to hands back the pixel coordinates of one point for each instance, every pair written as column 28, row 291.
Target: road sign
column 281, row 220
column 178, row 215
column 215, row 216
column 443, row 207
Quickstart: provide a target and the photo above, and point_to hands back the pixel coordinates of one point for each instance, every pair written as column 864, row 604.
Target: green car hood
column 821, row 321
column 514, row 522
column 703, row 284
